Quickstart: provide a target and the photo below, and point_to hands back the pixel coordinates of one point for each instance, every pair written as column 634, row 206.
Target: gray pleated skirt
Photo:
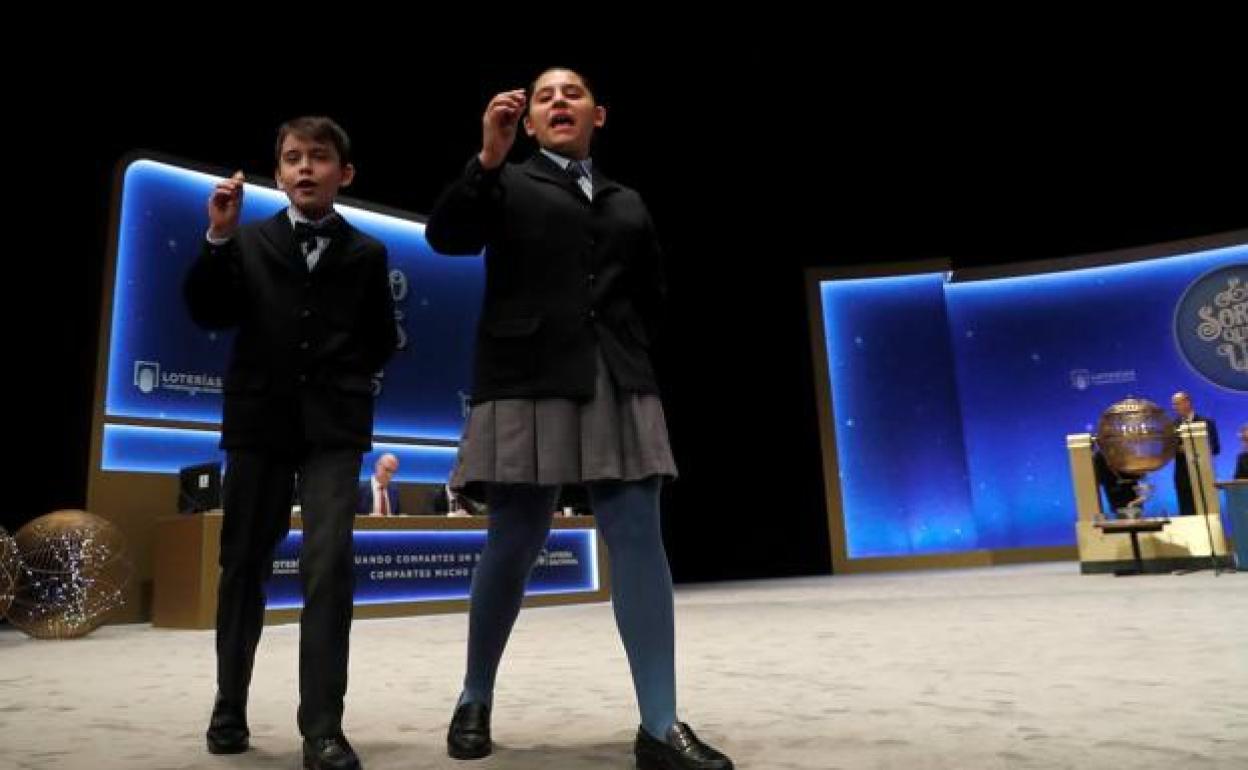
column 548, row 441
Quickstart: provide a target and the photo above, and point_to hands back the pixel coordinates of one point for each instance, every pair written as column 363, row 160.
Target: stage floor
column 1010, row 667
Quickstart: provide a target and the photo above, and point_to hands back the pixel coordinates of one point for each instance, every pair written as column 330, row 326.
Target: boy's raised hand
column 224, row 206
column 502, row 116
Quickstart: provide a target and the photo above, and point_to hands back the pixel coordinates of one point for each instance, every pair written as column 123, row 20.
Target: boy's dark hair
column 318, row 128
column 584, row 79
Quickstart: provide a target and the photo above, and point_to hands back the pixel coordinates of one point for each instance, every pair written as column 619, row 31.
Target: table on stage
column 404, row 565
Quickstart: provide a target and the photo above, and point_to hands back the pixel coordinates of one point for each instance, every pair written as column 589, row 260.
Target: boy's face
column 310, row 173
column 562, row 114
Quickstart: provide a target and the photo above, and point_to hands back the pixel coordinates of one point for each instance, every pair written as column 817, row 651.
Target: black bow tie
column 306, row 233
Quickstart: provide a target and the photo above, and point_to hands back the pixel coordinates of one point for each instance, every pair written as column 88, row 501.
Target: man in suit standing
column 1186, row 413
column 309, row 296
column 378, row 497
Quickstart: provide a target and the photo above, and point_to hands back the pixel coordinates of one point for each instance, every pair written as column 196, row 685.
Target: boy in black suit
column 309, row 296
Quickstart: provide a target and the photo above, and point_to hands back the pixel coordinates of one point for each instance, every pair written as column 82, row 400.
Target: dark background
column 755, row 166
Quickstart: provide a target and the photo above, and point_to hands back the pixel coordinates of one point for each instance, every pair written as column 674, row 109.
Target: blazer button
column 303, row 345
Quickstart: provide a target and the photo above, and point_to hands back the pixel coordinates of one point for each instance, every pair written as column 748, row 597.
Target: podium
column 1182, row 544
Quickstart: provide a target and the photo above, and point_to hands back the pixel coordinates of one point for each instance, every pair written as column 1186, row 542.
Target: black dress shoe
column 227, row 729
column 469, row 734
column 333, row 753
column 681, row 751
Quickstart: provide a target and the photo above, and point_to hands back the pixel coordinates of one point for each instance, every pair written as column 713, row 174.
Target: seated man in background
column 378, row 496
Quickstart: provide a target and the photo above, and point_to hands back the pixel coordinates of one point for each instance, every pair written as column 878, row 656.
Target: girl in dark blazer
column 564, row 393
